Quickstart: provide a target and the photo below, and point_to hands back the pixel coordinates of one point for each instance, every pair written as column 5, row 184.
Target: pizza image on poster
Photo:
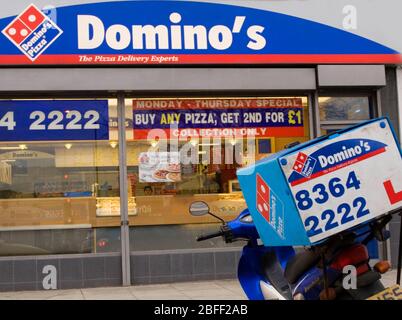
column 159, row 167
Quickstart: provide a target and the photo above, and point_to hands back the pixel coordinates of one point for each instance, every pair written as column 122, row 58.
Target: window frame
column 374, row 109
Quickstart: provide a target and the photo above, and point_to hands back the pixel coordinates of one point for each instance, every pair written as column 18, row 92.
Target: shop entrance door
column 186, row 149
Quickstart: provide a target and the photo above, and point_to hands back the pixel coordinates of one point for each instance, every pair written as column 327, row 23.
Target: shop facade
column 116, row 115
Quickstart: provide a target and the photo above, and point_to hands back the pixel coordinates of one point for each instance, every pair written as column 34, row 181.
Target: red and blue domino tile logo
column 32, row 32
column 304, row 164
column 263, row 198
column 269, row 206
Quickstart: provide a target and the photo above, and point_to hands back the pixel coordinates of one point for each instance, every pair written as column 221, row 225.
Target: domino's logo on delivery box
column 269, row 206
column 304, row 164
column 32, row 32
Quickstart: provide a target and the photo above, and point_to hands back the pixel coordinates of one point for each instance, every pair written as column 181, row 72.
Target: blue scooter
column 314, row 273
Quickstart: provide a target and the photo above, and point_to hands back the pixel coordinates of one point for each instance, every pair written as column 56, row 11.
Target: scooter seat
column 299, row 264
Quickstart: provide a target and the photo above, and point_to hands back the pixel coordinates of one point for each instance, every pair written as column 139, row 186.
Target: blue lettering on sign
column 321, row 194
column 335, row 189
column 348, row 213
column 46, row 120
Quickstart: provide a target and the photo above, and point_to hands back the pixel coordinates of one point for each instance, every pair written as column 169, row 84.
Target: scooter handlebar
column 210, row 236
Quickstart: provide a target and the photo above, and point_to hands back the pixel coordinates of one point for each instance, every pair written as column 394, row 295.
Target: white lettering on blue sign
column 343, row 155
column 92, row 33
column 56, row 120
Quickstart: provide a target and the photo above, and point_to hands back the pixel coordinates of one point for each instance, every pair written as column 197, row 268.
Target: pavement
column 200, row 290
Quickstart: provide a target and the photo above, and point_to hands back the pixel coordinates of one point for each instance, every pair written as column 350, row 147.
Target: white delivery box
column 303, row 195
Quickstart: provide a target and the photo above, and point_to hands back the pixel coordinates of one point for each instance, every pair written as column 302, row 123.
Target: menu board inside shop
column 219, row 118
column 159, row 167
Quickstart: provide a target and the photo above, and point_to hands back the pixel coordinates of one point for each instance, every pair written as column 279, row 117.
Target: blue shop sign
column 54, row 120
column 179, row 32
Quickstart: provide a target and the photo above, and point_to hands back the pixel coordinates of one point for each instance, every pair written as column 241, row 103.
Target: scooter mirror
column 199, row 208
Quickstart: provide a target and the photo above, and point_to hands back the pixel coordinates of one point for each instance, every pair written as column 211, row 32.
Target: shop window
column 218, row 135
column 338, row 112
column 59, row 176
column 344, row 108
column 59, row 184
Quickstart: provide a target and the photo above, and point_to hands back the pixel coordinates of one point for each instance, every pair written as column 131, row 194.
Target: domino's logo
column 269, row 206
column 263, row 198
column 32, row 32
column 304, row 164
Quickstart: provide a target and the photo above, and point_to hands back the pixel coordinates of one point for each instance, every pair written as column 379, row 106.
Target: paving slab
column 201, row 285
column 158, row 293
column 115, row 293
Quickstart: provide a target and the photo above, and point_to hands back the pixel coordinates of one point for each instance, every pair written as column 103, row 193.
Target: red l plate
column 393, row 196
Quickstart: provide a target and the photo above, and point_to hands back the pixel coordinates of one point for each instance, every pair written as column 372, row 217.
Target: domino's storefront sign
column 54, row 120
column 102, row 32
column 346, row 179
